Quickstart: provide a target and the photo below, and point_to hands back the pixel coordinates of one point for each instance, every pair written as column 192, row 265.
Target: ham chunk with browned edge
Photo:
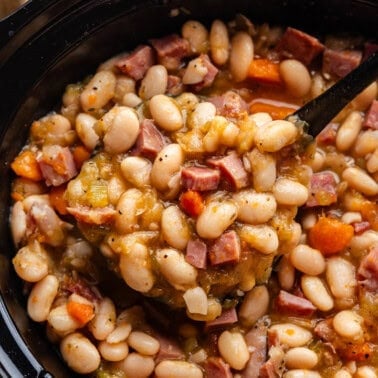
column 196, row 254
column 226, row 249
column 174, row 86
column 200, row 178
column 367, row 273
column 57, row 165
column 299, row 45
column 171, row 49
column 328, row 134
column 150, row 141
column 215, row 367
column 225, row 319
column 322, row 189
column 340, row 63
column 371, row 117
column 137, row 63
column 210, row 75
column 232, row 169
column 229, row 104
column 290, row 304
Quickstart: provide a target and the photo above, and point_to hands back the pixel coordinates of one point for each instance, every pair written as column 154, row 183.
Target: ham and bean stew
column 172, row 221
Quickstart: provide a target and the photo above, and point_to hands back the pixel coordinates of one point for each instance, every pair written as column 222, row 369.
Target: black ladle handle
column 322, row 109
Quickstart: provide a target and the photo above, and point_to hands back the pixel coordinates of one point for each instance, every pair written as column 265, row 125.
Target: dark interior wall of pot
column 60, row 42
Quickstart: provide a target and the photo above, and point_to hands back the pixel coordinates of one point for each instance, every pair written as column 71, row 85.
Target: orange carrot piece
column 80, row 155
column 330, row 236
column 192, row 203
column 26, row 165
column 276, row 112
column 82, row 312
column 57, row 199
column 357, row 352
column 369, row 212
column 265, row 71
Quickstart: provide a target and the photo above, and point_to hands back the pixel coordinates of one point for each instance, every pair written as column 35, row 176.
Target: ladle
column 318, row 112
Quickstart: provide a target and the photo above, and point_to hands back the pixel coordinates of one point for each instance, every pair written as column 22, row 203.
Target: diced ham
column 196, row 254
column 322, row 189
column 324, row 330
column 273, row 367
column 226, row 318
column 256, row 340
column 292, row 305
column 299, row 45
column 57, row 165
column 80, row 287
column 367, row 273
column 361, row 227
column 226, row 249
column 328, row 134
column 150, row 141
column 232, row 169
column 215, row 367
column 169, row 349
column 170, row 50
column 200, row 178
column 137, row 63
column 340, row 63
column 369, row 49
column 210, row 76
column 229, row 104
column 89, row 215
column 175, row 85
column 371, row 117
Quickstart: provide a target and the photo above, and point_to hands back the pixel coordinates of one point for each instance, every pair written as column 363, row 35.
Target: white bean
column 254, row 305
column 348, row 131
column 202, row 113
column 316, row 291
column 80, row 354
column 166, row 113
column 301, row 373
column 296, row 77
column 264, row 170
column 195, row 71
column 219, row 42
column 348, row 324
column 301, row 358
column 233, row 348
column 167, row 163
column 116, row 187
column 255, row 208
column 292, row 335
column 366, row 142
column 99, row 91
column 174, row 227
column 123, row 131
column 84, row 125
column 173, row 266
column 360, row 180
column 143, row 343
column 177, row 369
column 343, row 373
column 372, row 162
column 104, row 321
column 341, row 277
column 41, row 298
column 361, row 243
column 366, row 372
column 31, row 262
column 124, row 85
column 289, row 192
column 131, row 100
column 275, row 135
column 241, row 55
column 366, row 97
column 351, row 216
column 307, row 260
column 61, row 321
column 318, row 161
column 216, row 218
column 138, row 366
column 126, row 218
column 135, row 267
column 18, row 222
column 286, row 273
column 196, row 301
column 260, row 118
column 262, row 237
column 197, row 36
column 120, row 333
column 136, row 170
column 113, row 352
column 154, row 82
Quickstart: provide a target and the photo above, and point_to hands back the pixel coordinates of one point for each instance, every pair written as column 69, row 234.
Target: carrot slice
column 330, row 236
column 80, row 311
column 57, row 199
column 26, row 165
column 80, row 155
column 276, row 112
column 264, row 71
column 192, row 203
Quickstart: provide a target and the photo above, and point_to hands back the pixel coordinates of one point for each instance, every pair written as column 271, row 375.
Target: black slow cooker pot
column 49, row 43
